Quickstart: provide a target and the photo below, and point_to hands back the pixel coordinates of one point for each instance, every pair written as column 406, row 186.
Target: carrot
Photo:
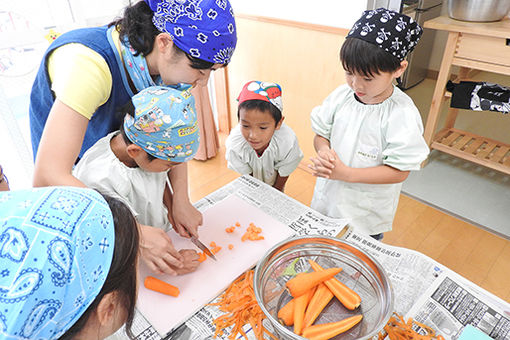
column 286, row 313
column 240, row 307
column 215, row 249
column 348, row 297
column 160, row 286
column 328, row 330
column 302, row 282
column 212, row 244
column 202, row 257
column 252, row 233
column 230, row 229
column 238, row 224
column 320, row 299
column 300, row 304
column 230, row 246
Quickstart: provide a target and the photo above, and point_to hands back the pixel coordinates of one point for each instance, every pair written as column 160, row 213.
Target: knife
column 203, row 247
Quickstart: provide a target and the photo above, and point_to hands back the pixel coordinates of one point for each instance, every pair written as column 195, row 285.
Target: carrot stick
column 300, row 304
column 286, row 313
column 320, row 299
column 348, row 297
column 303, row 282
column 160, row 286
column 328, row 330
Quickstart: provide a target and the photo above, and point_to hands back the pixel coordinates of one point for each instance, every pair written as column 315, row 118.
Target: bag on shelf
column 479, row 96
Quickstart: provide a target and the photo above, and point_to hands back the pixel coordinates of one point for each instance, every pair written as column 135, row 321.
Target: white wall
column 335, row 13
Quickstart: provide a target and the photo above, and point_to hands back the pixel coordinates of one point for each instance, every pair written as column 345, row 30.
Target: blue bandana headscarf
column 165, row 123
column 205, row 29
column 56, row 248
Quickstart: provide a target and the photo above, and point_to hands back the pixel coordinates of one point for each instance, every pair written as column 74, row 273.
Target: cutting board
column 165, row 313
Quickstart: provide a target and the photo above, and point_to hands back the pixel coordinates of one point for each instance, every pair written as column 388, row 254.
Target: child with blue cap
column 158, row 134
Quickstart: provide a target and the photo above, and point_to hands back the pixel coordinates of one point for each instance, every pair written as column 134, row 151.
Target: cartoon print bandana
column 56, row 248
column 165, row 123
column 261, row 90
column 395, row 33
column 204, row 29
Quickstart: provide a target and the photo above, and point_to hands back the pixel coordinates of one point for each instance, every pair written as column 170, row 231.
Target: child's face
column 376, row 89
column 257, row 128
column 155, row 165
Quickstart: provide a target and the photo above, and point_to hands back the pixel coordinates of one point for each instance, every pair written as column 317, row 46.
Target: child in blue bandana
column 159, row 132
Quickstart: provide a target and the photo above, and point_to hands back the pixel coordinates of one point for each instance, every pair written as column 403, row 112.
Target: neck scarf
column 137, row 68
column 56, row 248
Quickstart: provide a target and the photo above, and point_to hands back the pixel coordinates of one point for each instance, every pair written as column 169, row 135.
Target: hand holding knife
column 203, row 247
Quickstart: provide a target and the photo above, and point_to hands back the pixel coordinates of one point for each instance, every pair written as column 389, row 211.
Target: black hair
column 361, row 57
column 261, row 105
column 129, row 109
column 122, row 275
column 137, row 26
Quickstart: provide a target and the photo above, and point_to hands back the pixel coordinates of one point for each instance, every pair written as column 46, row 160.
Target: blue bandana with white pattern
column 204, row 29
column 56, row 248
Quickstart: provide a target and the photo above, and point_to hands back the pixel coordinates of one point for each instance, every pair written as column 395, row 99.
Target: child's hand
column 328, row 165
column 158, row 252
column 186, row 218
column 190, row 260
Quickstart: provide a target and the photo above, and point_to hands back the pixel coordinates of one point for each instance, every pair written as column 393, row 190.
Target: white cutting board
column 164, row 312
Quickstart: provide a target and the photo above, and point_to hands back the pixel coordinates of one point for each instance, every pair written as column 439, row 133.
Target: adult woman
column 87, row 74
column 68, row 264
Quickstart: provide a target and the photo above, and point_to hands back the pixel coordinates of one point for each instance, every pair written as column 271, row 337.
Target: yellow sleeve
column 80, row 78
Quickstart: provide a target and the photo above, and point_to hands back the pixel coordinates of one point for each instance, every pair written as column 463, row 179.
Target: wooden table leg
column 439, row 91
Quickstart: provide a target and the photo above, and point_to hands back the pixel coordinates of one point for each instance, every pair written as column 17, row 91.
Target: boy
column 261, row 145
column 368, row 132
column 159, row 132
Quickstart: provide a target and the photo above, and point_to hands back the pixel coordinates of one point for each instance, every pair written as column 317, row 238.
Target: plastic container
column 478, row 10
column 360, row 272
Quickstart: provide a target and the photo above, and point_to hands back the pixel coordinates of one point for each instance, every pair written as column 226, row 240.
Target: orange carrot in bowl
column 303, row 282
column 348, row 297
column 328, row 330
column 286, row 313
column 300, row 304
column 160, row 286
column 319, row 301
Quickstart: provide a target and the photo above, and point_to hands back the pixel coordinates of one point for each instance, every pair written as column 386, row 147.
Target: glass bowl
column 360, row 272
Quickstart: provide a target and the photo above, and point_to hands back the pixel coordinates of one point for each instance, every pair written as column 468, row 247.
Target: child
column 159, row 132
column 368, row 132
column 4, row 183
column 261, row 145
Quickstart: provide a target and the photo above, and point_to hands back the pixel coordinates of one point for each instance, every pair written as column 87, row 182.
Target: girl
column 68, row 264
column 368, row 132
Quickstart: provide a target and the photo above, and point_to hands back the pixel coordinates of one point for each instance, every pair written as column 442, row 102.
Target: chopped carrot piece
column 202, row 257
column 238, row 224
column 212, row 244
column 230, row 246
column 215, row 249
column 302, row 282
column 230, row 229
column 328, row 330
column 157, row 285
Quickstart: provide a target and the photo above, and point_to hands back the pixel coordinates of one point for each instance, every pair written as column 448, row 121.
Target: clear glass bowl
column 361, row 272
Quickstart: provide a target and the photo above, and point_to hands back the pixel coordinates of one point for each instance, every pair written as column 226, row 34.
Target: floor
column 478, row 255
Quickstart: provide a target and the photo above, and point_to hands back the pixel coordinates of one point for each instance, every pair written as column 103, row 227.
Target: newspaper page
column 409, row 271
column 297, row 216
column 452, row 302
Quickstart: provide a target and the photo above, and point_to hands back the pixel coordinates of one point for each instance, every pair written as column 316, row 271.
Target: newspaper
column 297, row 216
column 435, row 295
column 423, row 288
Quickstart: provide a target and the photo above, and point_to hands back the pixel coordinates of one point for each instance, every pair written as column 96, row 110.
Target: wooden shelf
column 477, row 149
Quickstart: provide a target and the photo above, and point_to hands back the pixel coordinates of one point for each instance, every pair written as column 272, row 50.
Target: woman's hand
column 158, row 252
column 190, row 261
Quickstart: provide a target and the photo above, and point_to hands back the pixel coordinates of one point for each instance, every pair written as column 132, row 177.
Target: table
column 471, row 46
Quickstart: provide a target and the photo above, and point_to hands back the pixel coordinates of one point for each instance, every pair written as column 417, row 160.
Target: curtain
column 209, row 142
